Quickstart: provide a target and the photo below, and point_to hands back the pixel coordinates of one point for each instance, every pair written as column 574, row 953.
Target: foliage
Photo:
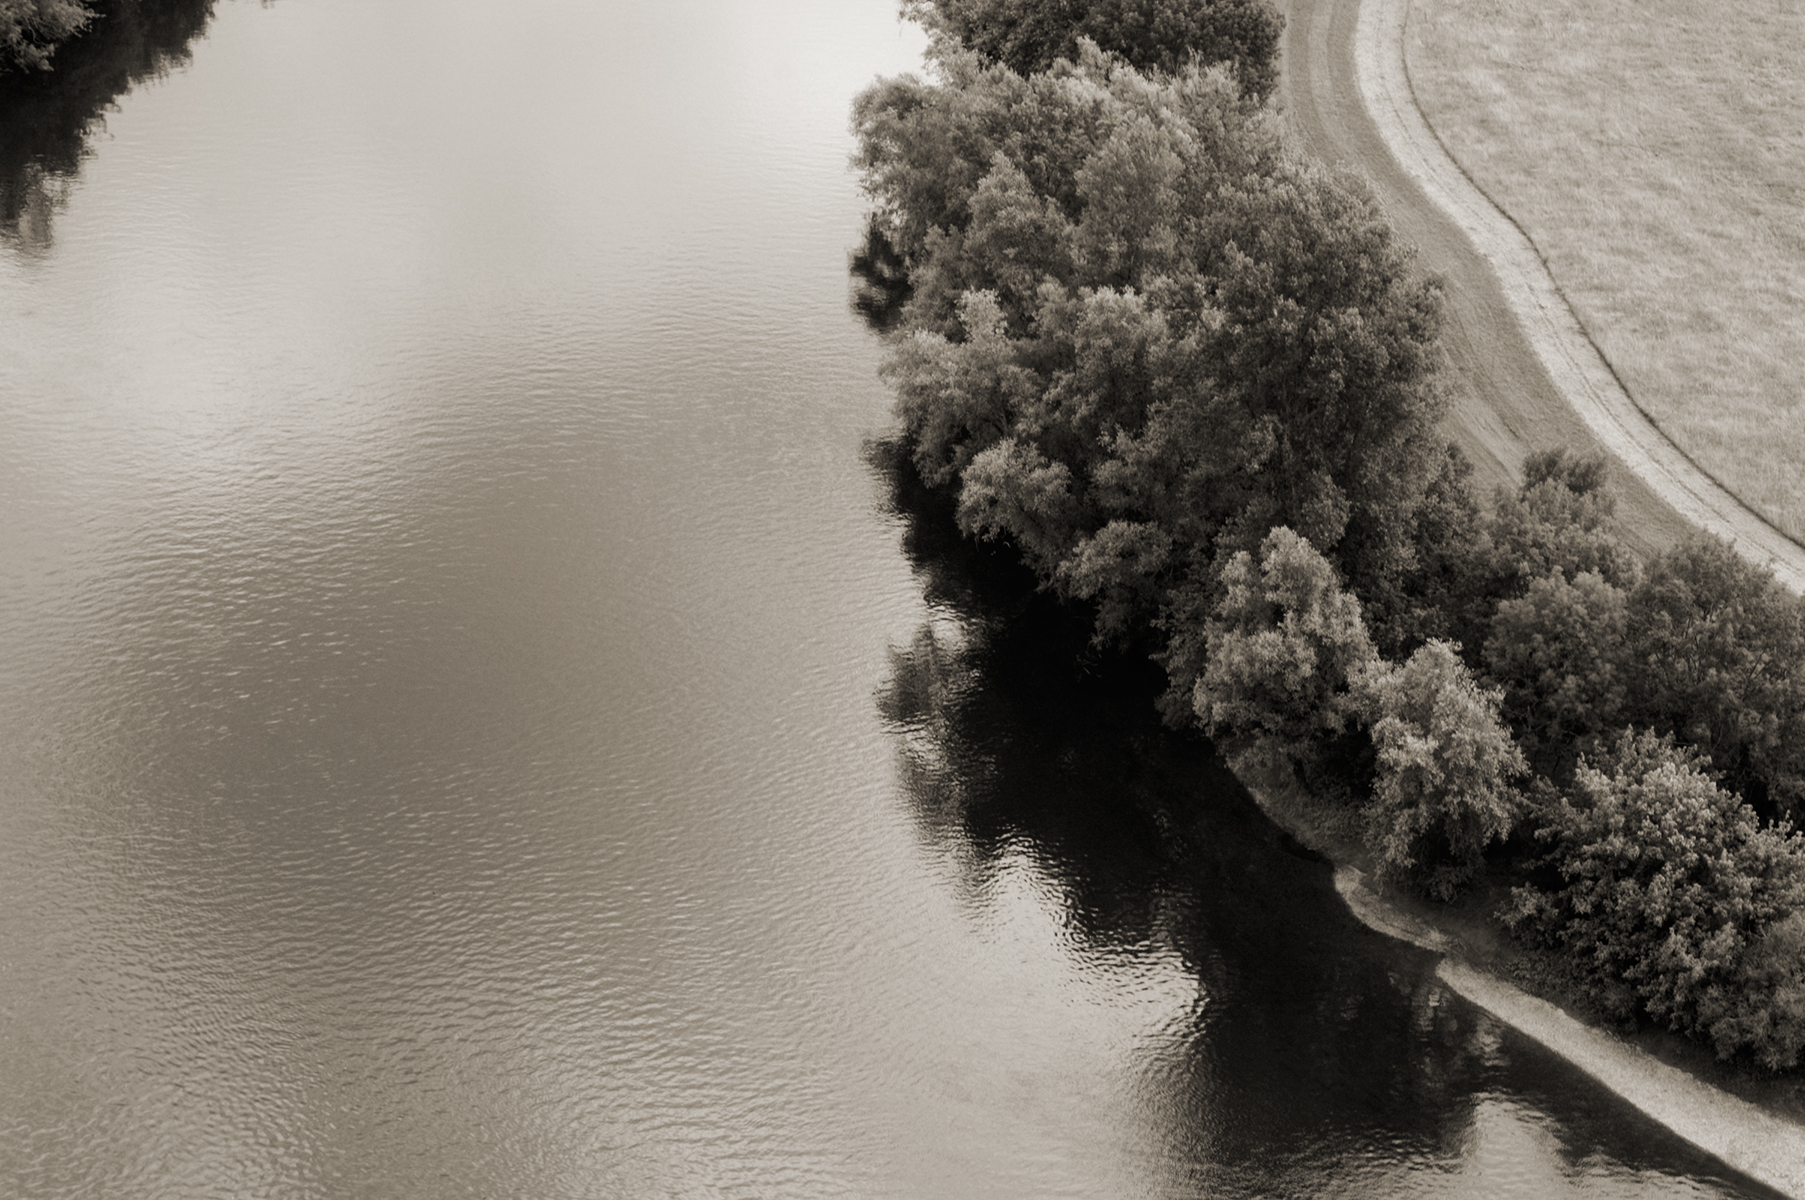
column 1432, row 595
column 1718, row 653
column 47, row 117
column 31, row 30
column 1446, row 766
column 1672, row 887
column 1141, row 335
column 1561, row 519
column 1285, row 648
column 1191, row 379
column 1559, row 654
column 1163, row 35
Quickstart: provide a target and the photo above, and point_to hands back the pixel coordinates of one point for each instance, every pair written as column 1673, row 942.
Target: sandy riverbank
column 1766, row 1146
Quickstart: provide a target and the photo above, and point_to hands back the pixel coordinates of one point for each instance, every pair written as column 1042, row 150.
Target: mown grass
column 1655, row 152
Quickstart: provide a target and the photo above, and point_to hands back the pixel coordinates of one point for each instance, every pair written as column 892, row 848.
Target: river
column 476, row 717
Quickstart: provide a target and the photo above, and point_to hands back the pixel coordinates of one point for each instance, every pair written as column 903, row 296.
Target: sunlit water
column 473, row 722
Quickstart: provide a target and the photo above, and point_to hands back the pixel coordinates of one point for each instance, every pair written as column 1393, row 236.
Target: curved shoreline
column 1743, row 1136
column 1748, row 1139
column 1560, row 341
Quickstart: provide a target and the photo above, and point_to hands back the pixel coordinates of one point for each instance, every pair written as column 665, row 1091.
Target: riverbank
column 1754, row 1126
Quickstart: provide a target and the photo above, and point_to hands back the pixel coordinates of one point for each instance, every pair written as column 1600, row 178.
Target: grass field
column 1654, row 150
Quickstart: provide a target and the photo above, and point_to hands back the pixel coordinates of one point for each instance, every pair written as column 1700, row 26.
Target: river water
column 476, row 718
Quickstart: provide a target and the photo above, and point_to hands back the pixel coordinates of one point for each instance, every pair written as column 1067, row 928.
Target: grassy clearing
column 1655, row 152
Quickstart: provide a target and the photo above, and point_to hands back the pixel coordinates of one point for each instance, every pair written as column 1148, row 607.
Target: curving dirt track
column 1523, row 375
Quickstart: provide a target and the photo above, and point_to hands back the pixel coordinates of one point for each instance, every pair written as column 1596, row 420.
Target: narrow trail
column 1523, row 374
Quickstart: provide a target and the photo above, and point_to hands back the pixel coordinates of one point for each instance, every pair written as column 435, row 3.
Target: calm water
column 475, row 721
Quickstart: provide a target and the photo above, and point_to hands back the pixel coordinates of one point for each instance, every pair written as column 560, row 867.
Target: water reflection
column 47, row 117
column 1311, row 1057
column 880, row 281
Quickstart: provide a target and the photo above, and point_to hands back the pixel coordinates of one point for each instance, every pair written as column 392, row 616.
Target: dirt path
column 1523, row 374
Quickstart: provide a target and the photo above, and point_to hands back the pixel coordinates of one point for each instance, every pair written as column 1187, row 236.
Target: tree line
column 1191, row 376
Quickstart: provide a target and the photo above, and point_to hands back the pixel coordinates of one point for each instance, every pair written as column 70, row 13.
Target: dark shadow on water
column 881, row 282
column 1320, row 1053
column 47, row 117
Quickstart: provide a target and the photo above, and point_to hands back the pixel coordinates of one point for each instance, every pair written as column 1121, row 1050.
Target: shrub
column 1446, row 770
column 1671, row 886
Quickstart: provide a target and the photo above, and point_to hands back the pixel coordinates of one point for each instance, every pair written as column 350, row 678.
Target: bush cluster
column 1166, row 35
column 1671, row 891
column 1191, row 378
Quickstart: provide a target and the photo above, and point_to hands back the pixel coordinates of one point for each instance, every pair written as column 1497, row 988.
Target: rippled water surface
column 475, row 720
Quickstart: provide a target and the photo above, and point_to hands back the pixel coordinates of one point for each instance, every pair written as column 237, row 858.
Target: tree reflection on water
column 1321, row 1056
column 47, row 117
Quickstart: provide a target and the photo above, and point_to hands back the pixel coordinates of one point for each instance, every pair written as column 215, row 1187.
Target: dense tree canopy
column 1142, row 334
column 1670, row 886
column 1190, row 377
column 1560, row 653
column 1717, row 657
column 1164, row 35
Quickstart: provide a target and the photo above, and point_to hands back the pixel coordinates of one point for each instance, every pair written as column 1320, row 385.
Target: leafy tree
column 1669, row 885
column 31, row 30
column 1559, row 654
column 1285, row 647
column 1561, row 519
column 1717, row 647
column 1446, row 767
column 1126, row 278
column 1329, row 344
column 957, row 398
column 1433, row 594
column 1163, row 35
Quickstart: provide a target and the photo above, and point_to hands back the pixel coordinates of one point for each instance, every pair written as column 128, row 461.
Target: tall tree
column 1717, row 654
column 1447, row 768
column 1142, row 335
column 1559, row 652
column 1286, row 647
